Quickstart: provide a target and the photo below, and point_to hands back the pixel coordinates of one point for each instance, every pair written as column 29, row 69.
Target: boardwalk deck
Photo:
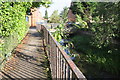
column 29, row 61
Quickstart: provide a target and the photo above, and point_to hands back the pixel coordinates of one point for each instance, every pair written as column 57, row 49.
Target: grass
column 95, row 62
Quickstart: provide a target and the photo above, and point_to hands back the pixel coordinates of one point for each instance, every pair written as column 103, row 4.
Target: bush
column 106, row 58
column 13, row 26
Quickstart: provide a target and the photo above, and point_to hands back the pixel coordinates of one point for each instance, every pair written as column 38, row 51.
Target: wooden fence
column 62, row 67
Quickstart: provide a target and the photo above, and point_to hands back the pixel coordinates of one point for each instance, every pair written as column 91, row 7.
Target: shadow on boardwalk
column 29, row 60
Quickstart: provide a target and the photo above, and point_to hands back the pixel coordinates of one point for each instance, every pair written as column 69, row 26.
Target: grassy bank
column 96, row 62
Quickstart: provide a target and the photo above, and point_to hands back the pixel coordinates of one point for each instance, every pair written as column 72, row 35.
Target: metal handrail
column 62, row 67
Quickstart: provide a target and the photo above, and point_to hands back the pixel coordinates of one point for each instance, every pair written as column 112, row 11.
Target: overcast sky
column 57, row 5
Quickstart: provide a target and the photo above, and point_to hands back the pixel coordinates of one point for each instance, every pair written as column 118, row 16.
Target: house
column 35, row 17
column 71, row 16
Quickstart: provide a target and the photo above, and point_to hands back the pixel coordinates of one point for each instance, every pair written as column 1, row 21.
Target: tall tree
column 106, row 26
column 102, row 19
column 46, row 14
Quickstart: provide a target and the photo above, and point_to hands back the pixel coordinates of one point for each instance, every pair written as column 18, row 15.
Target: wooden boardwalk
column 29, row 61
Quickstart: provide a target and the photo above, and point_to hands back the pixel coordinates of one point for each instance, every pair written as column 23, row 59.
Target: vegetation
column 54, row 18
column 84, row 10
column 96, row 43
column 47, row 5
column 100, row 47
column 63, row 14
column 105, row 60
column 46, row 14
column 107, row 28
column 101, row 18
column 59, row 33
column 13, row 25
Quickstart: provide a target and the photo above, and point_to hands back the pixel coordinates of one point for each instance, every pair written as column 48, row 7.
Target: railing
column 62, row 67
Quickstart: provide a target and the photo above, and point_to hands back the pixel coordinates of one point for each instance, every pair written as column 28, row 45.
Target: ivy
column 13, row 25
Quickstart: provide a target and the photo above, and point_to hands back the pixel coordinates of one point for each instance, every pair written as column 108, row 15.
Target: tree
column 106, row 26
column 45, row 3
column 55, row 18
column 46, row 14
column 63, row 14
column 84, row 10
column 102, row 18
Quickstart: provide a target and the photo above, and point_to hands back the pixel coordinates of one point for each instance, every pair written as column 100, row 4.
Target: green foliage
column 13, row 25
column 64, row 14
column 45, row 3
column 58, row 34
column 12, row 16
column 81, row 23
column 106, row 26
column 102, row 18
column 54, row 18
column 106, row 59
column 46, row 14
column 84, row 10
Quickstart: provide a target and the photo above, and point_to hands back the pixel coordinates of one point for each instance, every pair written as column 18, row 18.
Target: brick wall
column 36, row 16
